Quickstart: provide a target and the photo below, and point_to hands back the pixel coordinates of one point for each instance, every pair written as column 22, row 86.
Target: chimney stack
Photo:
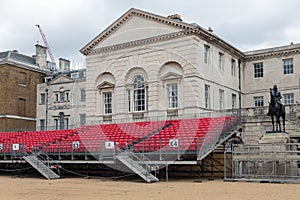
column 64, row 64
column 41, row 56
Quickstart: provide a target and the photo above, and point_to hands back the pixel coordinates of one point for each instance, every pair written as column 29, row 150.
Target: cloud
column 70, row 24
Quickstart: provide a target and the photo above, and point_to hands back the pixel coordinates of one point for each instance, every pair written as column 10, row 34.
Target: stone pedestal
column 274, row 138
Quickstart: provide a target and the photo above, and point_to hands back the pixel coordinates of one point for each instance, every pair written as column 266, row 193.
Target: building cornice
column 17, row 117
column 272, row 53
column 24, row 66
column 136, row 43
column 195, row 31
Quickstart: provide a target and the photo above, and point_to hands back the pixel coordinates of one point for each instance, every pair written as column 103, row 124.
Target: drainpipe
column 240, row 87
column 46, row 109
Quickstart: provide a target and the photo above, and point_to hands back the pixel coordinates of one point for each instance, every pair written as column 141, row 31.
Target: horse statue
column 276, row 109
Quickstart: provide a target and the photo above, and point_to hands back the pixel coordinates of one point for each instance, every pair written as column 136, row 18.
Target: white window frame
column 288, row 98
column 172, row 91
column 258, row 70
column 206, row 54
column 233, row 67
column 258, row 101
column 221, row 60
column 233, row 101
column 207, row 96
column 139, row 104
column 42, row 98
column 107, row 102
column 221, row 99
column 288, row 67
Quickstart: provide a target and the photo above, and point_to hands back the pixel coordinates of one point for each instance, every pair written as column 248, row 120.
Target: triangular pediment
column 170, row 75
column 135, row 25
column 105, row 85
column 61, row 79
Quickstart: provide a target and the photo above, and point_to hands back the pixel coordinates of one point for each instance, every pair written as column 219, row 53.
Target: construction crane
column 46, row 43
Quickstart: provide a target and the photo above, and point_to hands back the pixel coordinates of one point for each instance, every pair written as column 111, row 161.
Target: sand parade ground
column 99, row 188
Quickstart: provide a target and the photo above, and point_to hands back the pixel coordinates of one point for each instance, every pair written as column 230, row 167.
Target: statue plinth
column 273, row 137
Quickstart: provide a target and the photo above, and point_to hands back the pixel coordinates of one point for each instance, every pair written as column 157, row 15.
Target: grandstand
column 141, row 147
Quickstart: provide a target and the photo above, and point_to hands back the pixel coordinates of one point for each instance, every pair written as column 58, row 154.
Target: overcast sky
column 70, row 24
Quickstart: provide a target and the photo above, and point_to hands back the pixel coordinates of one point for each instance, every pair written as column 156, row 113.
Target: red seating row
column 140, row 136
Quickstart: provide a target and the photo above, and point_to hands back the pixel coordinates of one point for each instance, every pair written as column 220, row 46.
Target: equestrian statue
column 276, row 109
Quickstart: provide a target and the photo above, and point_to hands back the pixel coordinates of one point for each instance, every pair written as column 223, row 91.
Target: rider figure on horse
column 277, row 96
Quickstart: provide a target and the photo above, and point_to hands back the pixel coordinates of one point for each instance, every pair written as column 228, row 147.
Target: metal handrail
column 46, row 160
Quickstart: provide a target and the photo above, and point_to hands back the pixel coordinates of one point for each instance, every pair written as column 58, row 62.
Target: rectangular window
column 67, row 123
column 62, row 96
column 56, row 124
column 288, row 98
column 22, row 78
column 42, row 99
column 233, row 67
column 220, row 60
column 107, row 102
column 288, row 66
column 67, row 96
column 56, row 97
column 129, row 100
column 258, row 101
column 206, row 54
column 82, row 118
column 221, row 99
column 233, row 100
column 139, row 99
column 207, row 96
column 75, row 75
column 173, row 95
column 82, row 94
column 42, row 124
column 48, row 79
column 258, row 70
column 22, row 107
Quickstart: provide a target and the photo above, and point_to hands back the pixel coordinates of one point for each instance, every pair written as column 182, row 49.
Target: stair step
column 41, row 167
column 137, row 168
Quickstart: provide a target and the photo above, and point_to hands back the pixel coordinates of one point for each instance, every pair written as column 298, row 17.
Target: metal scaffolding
column 264, row 162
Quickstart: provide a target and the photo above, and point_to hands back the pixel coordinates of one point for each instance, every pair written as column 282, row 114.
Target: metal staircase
column 40, row 166
column 138, row 166
column 215, row 138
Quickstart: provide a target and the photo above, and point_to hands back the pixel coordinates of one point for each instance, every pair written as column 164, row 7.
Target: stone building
column 264, row 68
column 144, row 65
column 61, row 99
column 20, row 75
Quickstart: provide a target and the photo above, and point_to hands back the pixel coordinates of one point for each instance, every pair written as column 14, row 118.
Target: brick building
column 19, row 77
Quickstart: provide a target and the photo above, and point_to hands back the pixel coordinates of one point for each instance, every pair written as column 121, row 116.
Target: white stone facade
column 167, row 54
column 61, row 101
column 280, row 66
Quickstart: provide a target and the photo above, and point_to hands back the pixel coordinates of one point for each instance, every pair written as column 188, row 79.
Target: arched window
column 139, row 93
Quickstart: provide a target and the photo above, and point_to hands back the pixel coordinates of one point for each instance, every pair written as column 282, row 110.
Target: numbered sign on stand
column 173, row 143
column 75, row 145
column 15, row 147
column 109, row 145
